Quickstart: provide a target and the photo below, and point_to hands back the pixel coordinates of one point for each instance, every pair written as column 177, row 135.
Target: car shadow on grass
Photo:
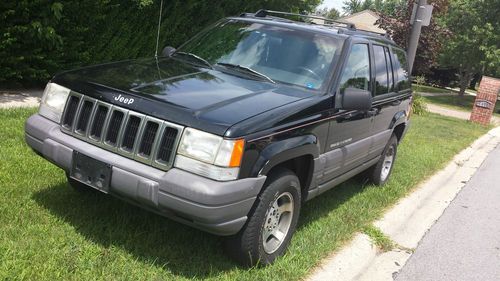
column 155, row 240
column 328, row 202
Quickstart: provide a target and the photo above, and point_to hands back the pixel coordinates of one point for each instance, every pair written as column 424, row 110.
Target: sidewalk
column 464, row 244
column 26, row 98
column 456, row 113
column 408, row 222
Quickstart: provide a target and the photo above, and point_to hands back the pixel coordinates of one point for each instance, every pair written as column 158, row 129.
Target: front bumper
column 217, row 207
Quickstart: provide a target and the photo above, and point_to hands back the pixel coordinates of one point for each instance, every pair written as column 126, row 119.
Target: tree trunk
column 465, row 77
column 475, row 79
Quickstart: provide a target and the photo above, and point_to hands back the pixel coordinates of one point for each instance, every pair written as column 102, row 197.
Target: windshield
column 276, row 53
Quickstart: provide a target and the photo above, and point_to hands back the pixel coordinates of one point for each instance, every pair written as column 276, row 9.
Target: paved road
column 464, row 244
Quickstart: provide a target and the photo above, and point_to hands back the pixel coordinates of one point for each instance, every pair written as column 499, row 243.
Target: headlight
column 53, row 101
column 209, row 155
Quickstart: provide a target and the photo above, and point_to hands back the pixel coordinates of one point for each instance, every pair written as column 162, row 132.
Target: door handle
column 372, row 112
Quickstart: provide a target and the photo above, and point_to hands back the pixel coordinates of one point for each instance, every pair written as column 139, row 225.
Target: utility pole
column 421, row 16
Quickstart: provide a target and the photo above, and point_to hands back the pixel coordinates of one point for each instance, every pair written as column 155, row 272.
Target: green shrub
column 41, row 37
column 418, row 106
column 420, row 81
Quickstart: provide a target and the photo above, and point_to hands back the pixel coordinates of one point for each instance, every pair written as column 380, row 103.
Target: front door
column 349, row 134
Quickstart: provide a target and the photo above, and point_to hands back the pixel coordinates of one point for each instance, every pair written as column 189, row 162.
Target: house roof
column 364, row 20
column 362, row 13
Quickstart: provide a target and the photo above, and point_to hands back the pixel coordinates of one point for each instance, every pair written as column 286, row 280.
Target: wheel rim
column 278, row 220
column 388, row 161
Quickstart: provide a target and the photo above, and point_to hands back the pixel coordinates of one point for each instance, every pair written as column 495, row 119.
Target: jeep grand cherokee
column 232, row 132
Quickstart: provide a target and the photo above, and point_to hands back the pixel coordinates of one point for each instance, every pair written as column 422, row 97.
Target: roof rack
column 264, row 13
column 364, row 32
column 350, row 28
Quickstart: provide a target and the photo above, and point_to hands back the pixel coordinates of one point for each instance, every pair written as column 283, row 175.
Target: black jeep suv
column 232, row 132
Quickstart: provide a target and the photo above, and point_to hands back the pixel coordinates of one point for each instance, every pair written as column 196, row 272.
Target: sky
column 337, row 4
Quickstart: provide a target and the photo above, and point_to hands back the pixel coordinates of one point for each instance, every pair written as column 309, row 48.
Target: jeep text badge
column 124, row 100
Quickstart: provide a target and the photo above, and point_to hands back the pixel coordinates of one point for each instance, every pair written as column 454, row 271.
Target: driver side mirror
column 168, row 51
column 356, row 99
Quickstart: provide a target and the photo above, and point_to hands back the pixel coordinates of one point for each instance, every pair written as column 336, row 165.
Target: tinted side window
column 401, row 77
column 357, row 70
column 381, row 73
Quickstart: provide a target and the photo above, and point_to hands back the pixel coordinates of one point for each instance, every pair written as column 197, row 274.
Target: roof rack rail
column 365, row 32
column 264, row 13
column 348, row 28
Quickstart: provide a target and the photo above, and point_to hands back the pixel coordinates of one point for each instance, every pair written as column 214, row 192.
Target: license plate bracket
column 91, row 172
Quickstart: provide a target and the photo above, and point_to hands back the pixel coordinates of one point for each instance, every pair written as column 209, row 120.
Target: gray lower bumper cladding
column 217, row 207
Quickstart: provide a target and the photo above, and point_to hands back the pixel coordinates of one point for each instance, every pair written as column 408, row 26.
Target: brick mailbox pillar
column 485, row 100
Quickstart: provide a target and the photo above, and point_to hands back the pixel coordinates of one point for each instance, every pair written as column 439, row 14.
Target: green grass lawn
column 430, row 89
column 48, row 231
column 453, row 102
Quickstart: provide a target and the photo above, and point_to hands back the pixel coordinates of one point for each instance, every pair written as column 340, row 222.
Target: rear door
column 384, row 105
column 391, row 83
column 349, row 133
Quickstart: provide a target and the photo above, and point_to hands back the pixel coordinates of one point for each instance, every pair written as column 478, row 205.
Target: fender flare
column 284, row 150
column 398, row 119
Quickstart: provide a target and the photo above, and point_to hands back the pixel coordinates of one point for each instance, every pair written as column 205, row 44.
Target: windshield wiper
column 200, row 59
column 246, row 70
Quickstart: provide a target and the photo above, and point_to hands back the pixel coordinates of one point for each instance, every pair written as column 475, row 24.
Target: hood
column 179, row 92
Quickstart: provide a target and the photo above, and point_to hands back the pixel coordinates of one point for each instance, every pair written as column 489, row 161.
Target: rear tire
column 271, row 223
column 381, row 172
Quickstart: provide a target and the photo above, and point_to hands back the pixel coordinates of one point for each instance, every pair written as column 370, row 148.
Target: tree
column 474, row 46
column 367, row 5
column 389, row 7
column 333, row 14
column 353, row 6
column 328, row 13
column 431, row 40
column 41, row 37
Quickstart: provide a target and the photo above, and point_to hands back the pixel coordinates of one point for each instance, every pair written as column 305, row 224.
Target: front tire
column 271, row 223
column 381, row 172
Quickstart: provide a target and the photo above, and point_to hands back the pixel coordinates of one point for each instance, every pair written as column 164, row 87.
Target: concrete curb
column 408, row 221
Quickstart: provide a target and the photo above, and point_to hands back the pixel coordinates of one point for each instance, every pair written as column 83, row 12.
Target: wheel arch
column 296, row 154
column 399, row 124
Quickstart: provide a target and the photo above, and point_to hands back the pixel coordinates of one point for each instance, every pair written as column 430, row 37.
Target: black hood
column 179, row 92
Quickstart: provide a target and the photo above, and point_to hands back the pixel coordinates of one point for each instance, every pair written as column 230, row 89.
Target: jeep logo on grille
column 124, row 100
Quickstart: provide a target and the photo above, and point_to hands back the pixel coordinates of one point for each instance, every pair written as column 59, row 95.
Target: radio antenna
column 158, row 32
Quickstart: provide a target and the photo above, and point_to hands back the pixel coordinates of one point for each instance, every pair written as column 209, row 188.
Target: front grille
column 83, row 120
column 131, row 133
column 71, row 107
column 114, row 127
column 150, row 132
column 98, row 124
column 134, row 135
column 166, row 145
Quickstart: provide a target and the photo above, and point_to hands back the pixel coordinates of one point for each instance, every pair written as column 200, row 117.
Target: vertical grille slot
column 150, row 131
column 98, row 123
column 70, row 113
column 84, row 117
column 167, row 144
column 130, row 134
column 114, row 127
